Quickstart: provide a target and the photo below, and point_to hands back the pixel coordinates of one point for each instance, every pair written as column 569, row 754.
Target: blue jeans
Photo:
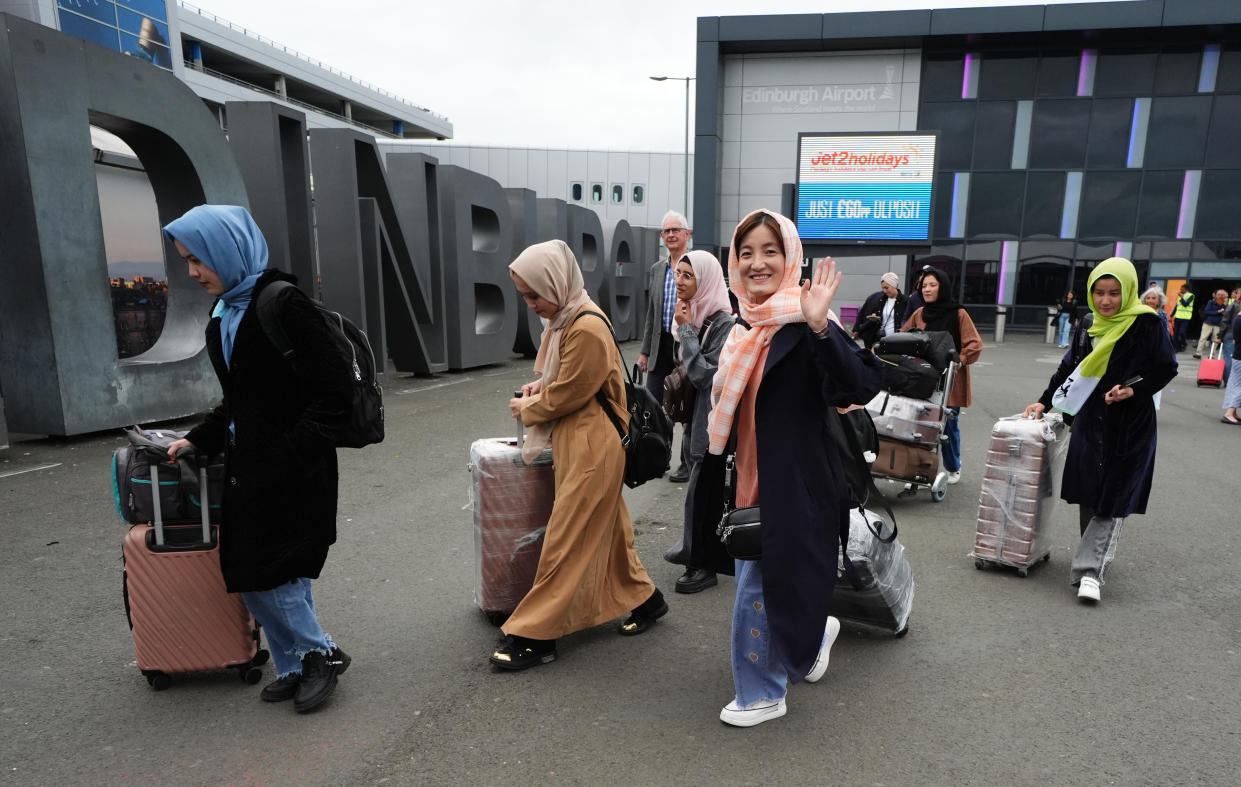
column 758, row 671
column 952, row 446
column 287, row 615
column 1062, row 336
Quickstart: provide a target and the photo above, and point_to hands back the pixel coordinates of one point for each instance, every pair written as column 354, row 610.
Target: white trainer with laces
column 1088, row 590
column 830, row 632
column 750, row 715
column 954, row 476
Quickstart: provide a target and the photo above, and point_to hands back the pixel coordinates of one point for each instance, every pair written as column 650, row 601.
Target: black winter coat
column 279, row 515
column 869, row 330
column 1111, row 460
column 802, row 489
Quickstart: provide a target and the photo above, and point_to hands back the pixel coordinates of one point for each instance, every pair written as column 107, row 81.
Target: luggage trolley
column 914, row 423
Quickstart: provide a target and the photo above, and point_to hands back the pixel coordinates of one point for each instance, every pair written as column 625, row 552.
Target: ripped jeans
column 287, row 615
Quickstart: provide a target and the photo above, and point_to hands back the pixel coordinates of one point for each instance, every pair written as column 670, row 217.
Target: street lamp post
column 684, row 205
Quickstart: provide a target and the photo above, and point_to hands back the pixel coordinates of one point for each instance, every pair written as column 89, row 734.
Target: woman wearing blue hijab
column 274, row 426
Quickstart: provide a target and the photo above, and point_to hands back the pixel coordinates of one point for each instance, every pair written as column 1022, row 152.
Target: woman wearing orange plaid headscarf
column 779, row 373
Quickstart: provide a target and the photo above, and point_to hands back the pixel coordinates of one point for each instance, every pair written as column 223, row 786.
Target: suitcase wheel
column 157, row 680
column 1023, row 572
column 250, row 674
column 902, row 632
column 980, row 564
column 260, row 658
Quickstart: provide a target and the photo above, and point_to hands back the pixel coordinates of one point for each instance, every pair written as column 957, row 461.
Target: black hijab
column 941, row 315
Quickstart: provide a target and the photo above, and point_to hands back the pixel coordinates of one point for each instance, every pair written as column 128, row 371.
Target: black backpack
column 905, row 375
column 364, row 424
column 648, row 440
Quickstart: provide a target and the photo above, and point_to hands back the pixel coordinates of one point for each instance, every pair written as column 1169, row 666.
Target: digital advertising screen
column 865, row 188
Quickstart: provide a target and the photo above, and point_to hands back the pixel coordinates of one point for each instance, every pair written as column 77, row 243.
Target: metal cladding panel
column 706, row 208
column 1010, row 19
column 623, row 279
column 59, row 366
column 476, row 235
column 523, row 204
column 646, row 252
column 708, row 28
column 589, row 246
column 1201, row 12
column 710, row 70
column 783, row 27
column 876, row 24
column 1094, row 16
column 269, row 144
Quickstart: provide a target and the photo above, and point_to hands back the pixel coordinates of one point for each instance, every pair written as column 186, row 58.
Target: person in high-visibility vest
column 1181, row 317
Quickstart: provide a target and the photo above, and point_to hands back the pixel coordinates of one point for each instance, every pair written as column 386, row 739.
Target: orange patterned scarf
column 741, row 352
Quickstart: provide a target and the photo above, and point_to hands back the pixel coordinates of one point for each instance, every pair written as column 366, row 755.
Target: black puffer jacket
column 280, row 476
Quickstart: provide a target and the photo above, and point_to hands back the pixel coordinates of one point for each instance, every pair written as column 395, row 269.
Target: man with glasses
column 658, row 357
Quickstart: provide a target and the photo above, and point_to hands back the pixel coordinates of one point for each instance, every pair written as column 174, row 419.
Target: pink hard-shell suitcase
column 180, row 614
column 512, row 503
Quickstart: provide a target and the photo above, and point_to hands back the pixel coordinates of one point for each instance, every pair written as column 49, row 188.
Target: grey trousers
column 1097, row 547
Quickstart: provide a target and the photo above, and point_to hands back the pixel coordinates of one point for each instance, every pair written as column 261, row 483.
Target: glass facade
column 138, row 28
column 1131, row 150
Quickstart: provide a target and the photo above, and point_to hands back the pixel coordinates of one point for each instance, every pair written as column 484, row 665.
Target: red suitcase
column 180, row 614
column 1211, row 370
column 512, row 502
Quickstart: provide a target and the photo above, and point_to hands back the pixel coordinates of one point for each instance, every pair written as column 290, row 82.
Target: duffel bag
column 935, row 347
column 905, row 375
column 178, row 484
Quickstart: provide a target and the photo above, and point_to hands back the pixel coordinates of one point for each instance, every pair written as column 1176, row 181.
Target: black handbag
column 740, row 533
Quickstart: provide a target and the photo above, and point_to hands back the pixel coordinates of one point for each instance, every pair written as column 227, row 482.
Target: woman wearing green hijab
column 1107, row 386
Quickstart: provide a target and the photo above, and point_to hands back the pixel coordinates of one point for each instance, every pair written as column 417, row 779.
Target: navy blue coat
column 1111, row 459
column 802, row 491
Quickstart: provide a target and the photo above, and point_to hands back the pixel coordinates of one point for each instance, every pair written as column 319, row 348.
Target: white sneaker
column 1088, row 589
column 750, row 715
column 820, row 661
column 954, row 476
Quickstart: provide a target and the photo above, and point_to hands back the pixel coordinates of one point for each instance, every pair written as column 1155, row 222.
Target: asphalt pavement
column 1001, row 679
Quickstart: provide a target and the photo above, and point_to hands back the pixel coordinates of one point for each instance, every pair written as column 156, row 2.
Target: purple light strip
column 965, row 75
column 1183, row 219
column 1006, row 256
column 1085, row 72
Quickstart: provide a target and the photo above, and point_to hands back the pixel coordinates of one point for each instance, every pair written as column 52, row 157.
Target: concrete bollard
column 1050, row 338
column 1001, row 317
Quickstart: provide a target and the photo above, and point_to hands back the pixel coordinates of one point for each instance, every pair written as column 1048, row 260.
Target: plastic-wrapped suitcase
column 1211, row 369
column 884, row 595
column 180, row 614
column 905, row 419
column 906, row 461
column 512, row 502
column 1018, row 496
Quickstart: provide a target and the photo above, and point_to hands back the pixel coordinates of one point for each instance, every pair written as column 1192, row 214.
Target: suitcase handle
column 155, row 504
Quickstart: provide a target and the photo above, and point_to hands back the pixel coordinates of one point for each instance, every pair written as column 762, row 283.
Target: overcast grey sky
column 540, row 73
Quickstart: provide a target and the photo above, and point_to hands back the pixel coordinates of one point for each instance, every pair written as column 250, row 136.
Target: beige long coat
column 589, row 571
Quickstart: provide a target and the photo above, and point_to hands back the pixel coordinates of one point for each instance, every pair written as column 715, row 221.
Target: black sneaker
column 318, row 681
column 695, row 580
column 341, row 659
column 281, row 689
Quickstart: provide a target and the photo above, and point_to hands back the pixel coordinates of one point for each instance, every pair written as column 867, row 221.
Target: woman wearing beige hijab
column 589, row 571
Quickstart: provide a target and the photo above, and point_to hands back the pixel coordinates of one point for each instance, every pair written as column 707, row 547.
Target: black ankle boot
column 281, row 689
column 518, row 653
column 318, row 681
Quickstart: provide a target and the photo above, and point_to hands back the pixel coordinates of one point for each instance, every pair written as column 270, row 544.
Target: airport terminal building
column 1066, row 134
